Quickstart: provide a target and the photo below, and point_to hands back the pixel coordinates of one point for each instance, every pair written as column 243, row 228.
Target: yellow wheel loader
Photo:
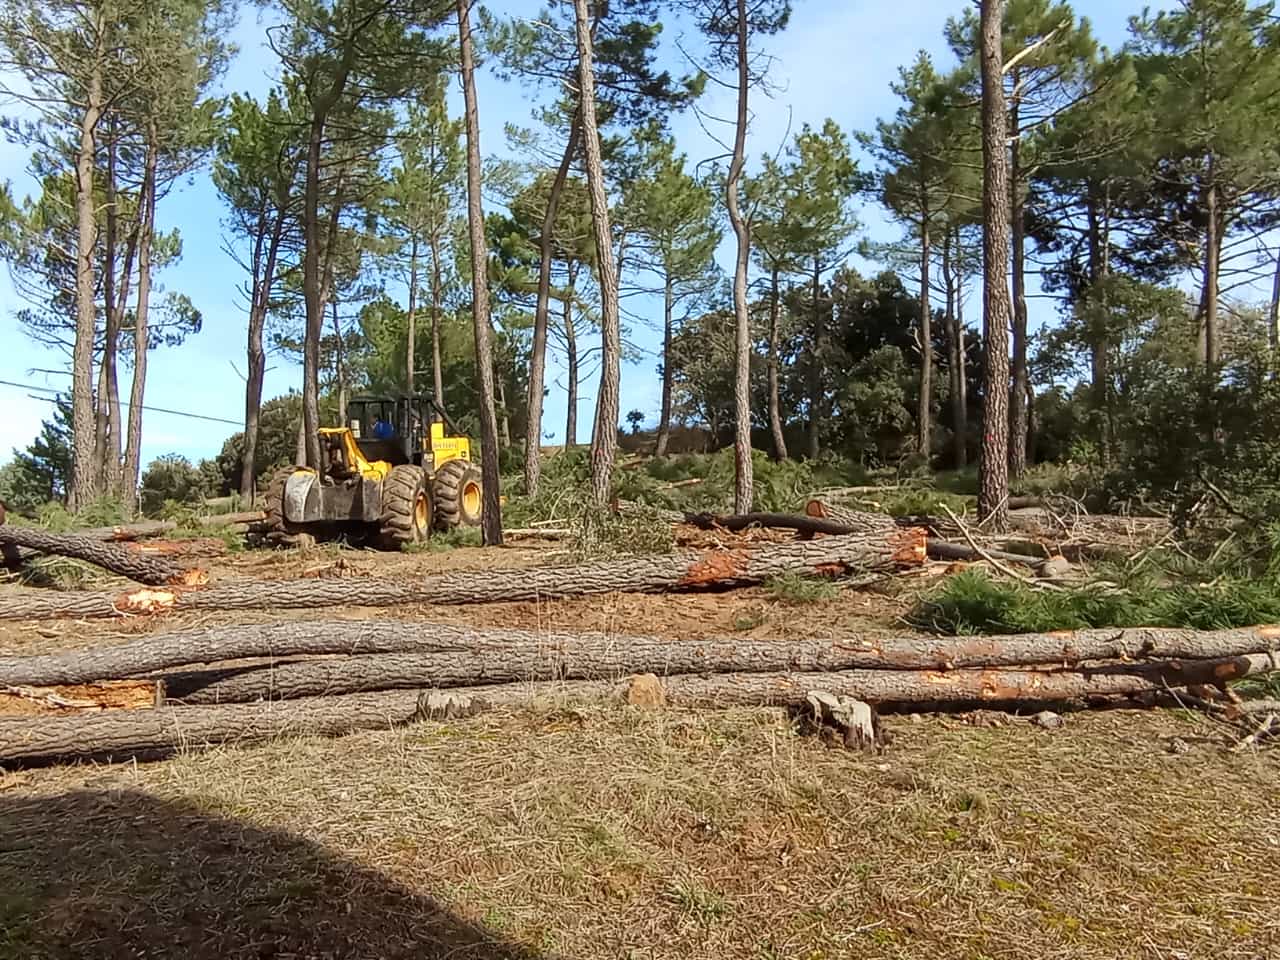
column 390, row 476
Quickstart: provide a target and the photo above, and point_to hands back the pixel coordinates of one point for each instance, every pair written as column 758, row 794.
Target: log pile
column 854, row 553
column 252, row 682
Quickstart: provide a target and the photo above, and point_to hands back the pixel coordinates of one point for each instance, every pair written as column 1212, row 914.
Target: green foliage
column 40, row 474
column 970, row 602
column 799, row 589
column 170, row 479
column 278, row 424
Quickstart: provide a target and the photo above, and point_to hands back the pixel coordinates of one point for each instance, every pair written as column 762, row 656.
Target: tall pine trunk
column 955, row 350
column 993, row 472
column 664, row 421
column 437, row 284
column 491, row 516
column 962, row 407
column 924, row 415
column 107, row 433
column 816, row 336
column 571, row 364
column 743, row 480
column 339, row 362
column 133, row 448
column 256, row 356
column 411, row 318
column 84, row 468
column 1273, row 316
column 542, row 310
column 775, row 401
column 1021, row 384
column 1212, row 268
column 312, row 296
column 604, row 436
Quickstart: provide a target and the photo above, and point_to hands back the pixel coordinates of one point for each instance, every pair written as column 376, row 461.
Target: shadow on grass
column 124, row 874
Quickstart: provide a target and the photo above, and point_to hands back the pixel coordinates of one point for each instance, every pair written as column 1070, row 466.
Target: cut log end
column 146, row 602
column 645, row 690
column 81, row 697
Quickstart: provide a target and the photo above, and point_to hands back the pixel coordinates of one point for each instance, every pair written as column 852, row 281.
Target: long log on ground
column 216, row 644
column 850, row 522
column 195, row 547
column 245, row 517
column 154, row 571
column 840, row 520
column 120, row 735
column 503, row 663
column 653, row 574
column 128, row 531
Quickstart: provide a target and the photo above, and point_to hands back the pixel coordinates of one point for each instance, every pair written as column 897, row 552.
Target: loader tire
column 459, row 495
column 279, row 531
column 406, row 507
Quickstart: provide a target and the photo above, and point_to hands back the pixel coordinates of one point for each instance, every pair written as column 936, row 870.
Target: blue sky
column 836, row 60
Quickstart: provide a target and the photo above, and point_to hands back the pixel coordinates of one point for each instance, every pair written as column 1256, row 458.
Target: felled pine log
column 444, row 654
column 151, row 570
column 849, row 522
column 122, row 734
column 195, row 547
column 854, row 553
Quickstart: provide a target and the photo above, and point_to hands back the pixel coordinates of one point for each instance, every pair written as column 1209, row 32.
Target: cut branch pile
column 855, row 553
column 251, row 682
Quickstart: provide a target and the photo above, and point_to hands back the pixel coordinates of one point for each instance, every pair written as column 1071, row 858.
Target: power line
column 175, row 413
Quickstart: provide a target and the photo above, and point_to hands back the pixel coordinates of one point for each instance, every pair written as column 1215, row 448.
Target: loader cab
column 405, row 430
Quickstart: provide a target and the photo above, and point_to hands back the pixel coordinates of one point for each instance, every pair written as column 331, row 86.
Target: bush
column 971, row 602
column 170, row 478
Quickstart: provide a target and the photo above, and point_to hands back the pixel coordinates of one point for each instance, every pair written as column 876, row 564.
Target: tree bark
column 924, row 413
column 743, row 493
column 437, row 364
column 962, row 443
column 818, row 518
column 954, row 349
column 121, row 735
column 109, row 556
column 256, row 357
column 491, row 516
column 607, row 653
column 107, row 434
column 542, row 310
column 815, row 369
column 571, row 375
column 993, row 474
column 141, row 335
column 604, row 436
column 653, row 574
column 501, row 663
column 1273, row 314
column 664, row 420
column 775, row 401
column 1018, row 414
column 1212, row 266
column 85, row 478
column 411, row 317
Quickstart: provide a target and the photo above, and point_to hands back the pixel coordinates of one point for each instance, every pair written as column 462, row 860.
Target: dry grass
column 623, row 833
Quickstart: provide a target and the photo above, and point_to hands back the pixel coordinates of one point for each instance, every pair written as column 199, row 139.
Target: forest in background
column 1140, row 184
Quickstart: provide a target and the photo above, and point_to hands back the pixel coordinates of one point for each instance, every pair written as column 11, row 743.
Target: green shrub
column 971, row 602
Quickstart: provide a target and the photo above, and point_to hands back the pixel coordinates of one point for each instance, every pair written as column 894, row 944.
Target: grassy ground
column 656, row 835
column 602, row 833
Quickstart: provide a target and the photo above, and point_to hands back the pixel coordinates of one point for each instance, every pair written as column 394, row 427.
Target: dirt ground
column 617, row 832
